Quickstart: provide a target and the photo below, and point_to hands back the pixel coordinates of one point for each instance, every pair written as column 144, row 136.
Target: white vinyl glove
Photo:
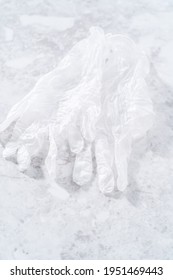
column 91, row 106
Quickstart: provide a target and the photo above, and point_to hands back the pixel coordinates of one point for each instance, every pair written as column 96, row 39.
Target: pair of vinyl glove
column 92, row 106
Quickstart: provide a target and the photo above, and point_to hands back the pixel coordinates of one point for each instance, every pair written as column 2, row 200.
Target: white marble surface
column 138, row 224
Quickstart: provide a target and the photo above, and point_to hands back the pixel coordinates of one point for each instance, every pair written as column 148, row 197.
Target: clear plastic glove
column 92, row 105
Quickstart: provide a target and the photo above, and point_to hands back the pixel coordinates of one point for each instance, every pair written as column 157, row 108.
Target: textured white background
column 138, row 224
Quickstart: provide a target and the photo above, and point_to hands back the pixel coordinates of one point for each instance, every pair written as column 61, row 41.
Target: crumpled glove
column 93, row 105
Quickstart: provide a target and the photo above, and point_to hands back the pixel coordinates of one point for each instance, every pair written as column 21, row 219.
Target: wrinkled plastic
column 93, row 105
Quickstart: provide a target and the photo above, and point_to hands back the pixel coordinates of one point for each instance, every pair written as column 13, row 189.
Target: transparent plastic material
column 92, row 106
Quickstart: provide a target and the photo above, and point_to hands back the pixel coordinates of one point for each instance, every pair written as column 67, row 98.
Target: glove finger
column 83, row 166
column 75, row 139
column 88, row 122
column 32, row 147
column 122, row 152
column 104, row 161
column 23, row 158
